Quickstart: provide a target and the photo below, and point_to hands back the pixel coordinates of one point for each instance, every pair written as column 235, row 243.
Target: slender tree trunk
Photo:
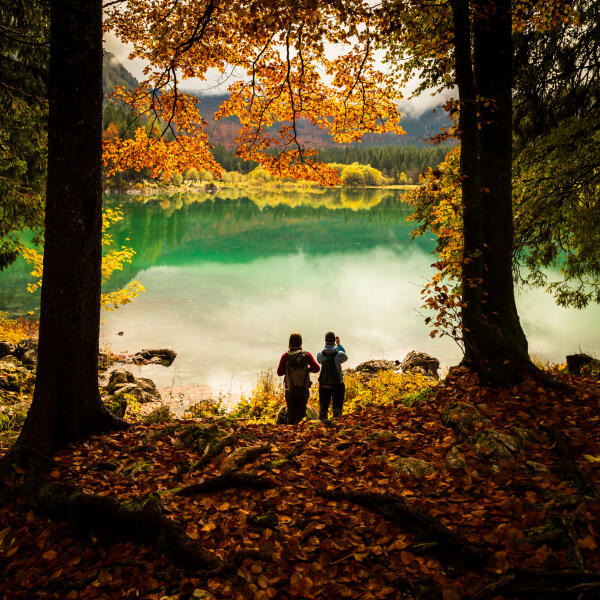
column 66, row 402
column 493, row 75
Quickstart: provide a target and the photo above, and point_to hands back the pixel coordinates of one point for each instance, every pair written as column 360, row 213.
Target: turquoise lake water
column 228, row 277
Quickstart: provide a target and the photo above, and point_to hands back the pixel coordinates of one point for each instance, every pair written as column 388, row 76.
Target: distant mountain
column 417, row 128
column 224, row 132
column 114, row 73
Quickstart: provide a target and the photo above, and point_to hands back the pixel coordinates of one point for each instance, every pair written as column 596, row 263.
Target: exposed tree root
column 567, row 466
column 395, row 509
column 141, row 520
column 214, row 450
column 244, row 455
column 530, row 583
column 229, row 480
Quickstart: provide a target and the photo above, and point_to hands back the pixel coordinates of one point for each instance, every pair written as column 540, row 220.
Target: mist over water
column 229, row 277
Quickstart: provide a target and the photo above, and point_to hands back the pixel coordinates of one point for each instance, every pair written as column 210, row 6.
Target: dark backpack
column 329, row 376
column 296, row 370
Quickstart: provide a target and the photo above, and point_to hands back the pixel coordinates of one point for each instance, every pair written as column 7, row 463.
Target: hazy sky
column 217, row 83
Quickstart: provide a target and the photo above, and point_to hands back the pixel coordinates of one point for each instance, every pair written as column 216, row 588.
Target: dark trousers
column 334, row 395
column 296, row 400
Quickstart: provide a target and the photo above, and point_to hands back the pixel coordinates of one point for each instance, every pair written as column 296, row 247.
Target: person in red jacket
column 295, row 365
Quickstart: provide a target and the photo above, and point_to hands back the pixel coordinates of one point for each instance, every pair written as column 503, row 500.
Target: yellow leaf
column 591, row 458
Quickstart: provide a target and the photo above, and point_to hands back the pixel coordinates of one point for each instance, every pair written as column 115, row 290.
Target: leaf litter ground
column 292, row 541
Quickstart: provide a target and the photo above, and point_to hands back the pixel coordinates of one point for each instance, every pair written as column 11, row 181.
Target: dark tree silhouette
column 495, row 344
column 66, row 402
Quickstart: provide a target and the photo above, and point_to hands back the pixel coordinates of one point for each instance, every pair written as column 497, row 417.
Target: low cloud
column 218, row 83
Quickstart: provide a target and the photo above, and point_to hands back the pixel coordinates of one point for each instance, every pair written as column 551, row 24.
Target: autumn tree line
column 397, row 164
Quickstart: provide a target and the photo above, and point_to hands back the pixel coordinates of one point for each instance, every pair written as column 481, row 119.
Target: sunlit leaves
column 112, row 261
column 291, row 77
column 437, row 204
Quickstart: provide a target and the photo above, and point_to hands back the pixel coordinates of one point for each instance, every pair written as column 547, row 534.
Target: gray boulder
column 6, row 348
column 464, row 417
column 133, row 389
column 119, row 377
column 373, row 366
column 148, row 386
column 414, row 467
column 495, row 446
column 157, row 356
column 198, row 437
column 26, row 345
column 11, row 377
column 9, row 359
column 26, row 351
column 123, row 382
column 421, row 363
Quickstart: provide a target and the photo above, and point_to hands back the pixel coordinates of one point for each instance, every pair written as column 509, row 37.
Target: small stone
column 455, row 459
column 536, row 467
column 522, row 433
column 415, row 467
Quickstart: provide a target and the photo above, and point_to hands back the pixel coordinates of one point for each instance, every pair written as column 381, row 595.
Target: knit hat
column 330, row 337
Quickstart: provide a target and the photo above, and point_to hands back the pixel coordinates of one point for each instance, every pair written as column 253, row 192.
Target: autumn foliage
column 281, row 48
column 290, row 540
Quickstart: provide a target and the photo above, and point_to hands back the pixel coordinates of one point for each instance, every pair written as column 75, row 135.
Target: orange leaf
column 587, row 543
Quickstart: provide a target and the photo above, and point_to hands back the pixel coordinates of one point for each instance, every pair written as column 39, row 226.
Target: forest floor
column 334, row 509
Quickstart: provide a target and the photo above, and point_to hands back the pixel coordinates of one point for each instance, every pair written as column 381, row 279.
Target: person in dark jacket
column 295, row 365
column 331, row 380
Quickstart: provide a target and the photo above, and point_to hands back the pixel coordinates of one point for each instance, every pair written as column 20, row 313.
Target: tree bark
column 66, row 402
column 495, row 344
column 493, row 78
column 472, row 261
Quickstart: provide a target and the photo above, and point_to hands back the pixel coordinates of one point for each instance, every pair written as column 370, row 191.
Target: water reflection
column 229, row 277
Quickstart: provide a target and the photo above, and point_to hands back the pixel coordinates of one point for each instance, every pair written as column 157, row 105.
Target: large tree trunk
column 495, row 344
column 493, row 76
column 66, row 402
column 472, row 267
